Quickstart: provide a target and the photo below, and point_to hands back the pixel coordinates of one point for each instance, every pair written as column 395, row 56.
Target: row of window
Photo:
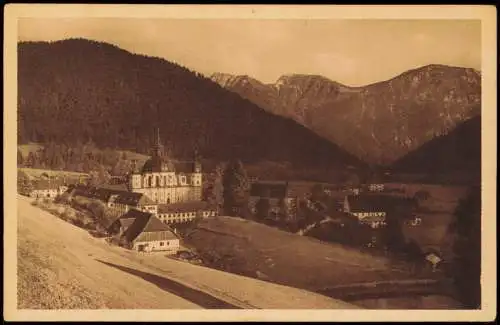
column 370, row 214
column 162, row 243
column 185, row 216
column 148, row 181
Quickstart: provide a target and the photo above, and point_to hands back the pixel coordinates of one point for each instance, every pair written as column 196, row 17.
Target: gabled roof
column 185, row 207
column 126, row 222
column 106, row 194
column 128, row 198
column 145, row 223
column 145, row 200
column 131, row 214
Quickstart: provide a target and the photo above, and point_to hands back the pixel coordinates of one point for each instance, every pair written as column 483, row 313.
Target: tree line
column 100, row 164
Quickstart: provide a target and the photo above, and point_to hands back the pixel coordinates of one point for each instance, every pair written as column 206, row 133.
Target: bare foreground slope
column 61, row 266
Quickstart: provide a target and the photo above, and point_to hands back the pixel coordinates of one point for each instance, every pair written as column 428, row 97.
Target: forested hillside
column 78, row 91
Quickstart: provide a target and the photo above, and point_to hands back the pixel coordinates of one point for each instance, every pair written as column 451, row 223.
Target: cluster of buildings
column 159, row 195
column 143, row 232
column 367, row 204
column 44, row 187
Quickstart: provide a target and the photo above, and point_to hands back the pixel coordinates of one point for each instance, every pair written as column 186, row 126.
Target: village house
column 46, row 188
column 118, row 200
column 143, row 232
column 283, row 197
column 370, row 210
column 185, row 211
column 376, row 187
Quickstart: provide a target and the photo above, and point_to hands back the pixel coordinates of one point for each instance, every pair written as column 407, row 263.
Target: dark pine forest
column 80, row 91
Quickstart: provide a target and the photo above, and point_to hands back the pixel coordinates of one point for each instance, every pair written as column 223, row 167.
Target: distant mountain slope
column 380, row 122
column 458, row 151
column 77, row 89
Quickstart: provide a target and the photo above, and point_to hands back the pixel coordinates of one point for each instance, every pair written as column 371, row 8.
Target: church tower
column 196, row 178
column 157, row 148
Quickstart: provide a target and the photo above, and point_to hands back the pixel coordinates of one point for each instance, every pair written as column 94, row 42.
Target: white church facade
column 165, row 181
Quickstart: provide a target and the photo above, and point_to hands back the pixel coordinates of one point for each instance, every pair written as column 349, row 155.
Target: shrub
column 63, row 198
column 68, row 214
column 76, row 222
column 60, row 210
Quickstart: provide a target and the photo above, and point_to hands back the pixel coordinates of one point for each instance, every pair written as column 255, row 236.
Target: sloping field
column 62, row 266
column 256, row 250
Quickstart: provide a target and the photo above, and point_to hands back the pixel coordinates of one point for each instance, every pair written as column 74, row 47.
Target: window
column 162, row 243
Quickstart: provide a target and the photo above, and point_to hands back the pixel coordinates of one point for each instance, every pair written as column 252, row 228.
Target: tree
column 466, row 230
column 353, row 180
column 317, row 193
column 283, row 214
column 393, row 233
column 421, row 196
column 24, row 184
column 262, row 208
column 235, row 188
column 20, row 160
column 30, row 161
column 216, row 195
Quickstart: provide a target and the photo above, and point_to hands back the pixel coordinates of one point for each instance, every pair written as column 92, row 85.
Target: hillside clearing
column 253, row 249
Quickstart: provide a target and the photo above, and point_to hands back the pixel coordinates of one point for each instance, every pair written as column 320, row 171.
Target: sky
column 353, row 52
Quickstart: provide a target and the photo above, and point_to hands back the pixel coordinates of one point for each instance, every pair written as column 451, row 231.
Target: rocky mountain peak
column 379, row 122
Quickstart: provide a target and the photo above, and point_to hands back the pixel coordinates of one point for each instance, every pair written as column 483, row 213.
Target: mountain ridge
column 418, row 104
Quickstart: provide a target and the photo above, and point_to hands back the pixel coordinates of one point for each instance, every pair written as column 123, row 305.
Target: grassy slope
column 253, row 249
column 62, row 266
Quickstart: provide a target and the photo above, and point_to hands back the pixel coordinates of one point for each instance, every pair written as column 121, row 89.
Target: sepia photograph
column 174, row 159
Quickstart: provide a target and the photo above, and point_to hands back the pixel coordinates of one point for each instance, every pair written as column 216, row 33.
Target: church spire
column 157, row 144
